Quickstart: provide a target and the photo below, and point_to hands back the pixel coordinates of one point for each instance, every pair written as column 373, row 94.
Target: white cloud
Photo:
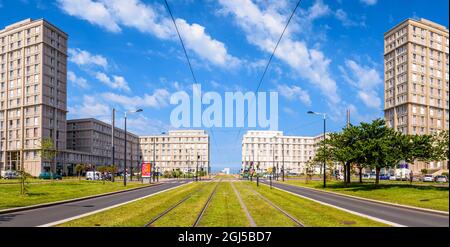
column 93, row 12
column 342, row 16
column 319, row 9
column 365, row 79
column 141, row 125
column 90, row 107
column 111, row 14
column 81, row 57
column 201, row 43
column 158, row 99
column 263, row 28
column 117, row 82
column 369, row 2
column 77, row 81
column 294, row 92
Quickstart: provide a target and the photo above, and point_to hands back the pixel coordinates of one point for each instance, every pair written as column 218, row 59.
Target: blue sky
column 126, row 54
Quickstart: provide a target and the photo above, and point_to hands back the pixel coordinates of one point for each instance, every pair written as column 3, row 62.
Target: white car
column 90, row 175
column 392, row 178
column 441, row 179
column 428, row 178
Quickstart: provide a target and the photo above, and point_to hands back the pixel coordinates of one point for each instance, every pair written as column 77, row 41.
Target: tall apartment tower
column 33, row 68
column 416, row 79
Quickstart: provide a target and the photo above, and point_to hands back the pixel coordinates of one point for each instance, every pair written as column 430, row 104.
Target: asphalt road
column 41, row 216
column 398, row 215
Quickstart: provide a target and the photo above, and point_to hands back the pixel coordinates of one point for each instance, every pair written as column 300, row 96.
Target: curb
column 42, row 205
column 426, row 210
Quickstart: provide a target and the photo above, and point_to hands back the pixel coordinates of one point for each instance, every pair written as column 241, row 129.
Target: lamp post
column 125, row 147
column 282, row 153
column 324, row 115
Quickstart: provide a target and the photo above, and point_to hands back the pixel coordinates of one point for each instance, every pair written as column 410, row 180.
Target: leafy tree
column 424, row 171
column 48, row 152
column 80, row 168
column 440, row 142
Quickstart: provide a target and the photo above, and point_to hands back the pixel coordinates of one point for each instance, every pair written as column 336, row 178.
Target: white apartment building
column 273, row 149
column 179, row 149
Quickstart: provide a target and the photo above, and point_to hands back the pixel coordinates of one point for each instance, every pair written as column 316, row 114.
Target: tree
column 424, row 171
column 48, row 152
column 80, row 168
column 440, row 141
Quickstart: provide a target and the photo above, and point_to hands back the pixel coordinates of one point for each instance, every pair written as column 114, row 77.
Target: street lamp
column 324, row 115
column 125, row 149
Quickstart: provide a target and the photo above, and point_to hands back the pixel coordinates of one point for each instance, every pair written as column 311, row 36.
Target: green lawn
column 432, row 197
column 56, row 191
column 224, row 209
column 263, row 213
column 137, row 213
column 311, row 213
column 186, row 213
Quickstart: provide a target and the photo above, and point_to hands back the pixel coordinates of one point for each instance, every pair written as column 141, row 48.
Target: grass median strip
column 311, row 213
column 186, row 213
column 137, row 213
column 262, row 212
column 432, row 197
column 224, row 209
column 56, row 191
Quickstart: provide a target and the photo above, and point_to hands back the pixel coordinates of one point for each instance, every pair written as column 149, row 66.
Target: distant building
column 272, row 149
column 226, row 170
column 416, row 80
column 179, row 149
column 93, row 137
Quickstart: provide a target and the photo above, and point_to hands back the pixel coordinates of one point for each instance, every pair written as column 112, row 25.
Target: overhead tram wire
column 188, row 60
column 181, row 40
column 270, row 60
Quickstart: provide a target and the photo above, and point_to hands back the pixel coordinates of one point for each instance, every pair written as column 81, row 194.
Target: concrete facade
column 179, row 149
column 33, row 72
column 272, row 149
column 93, row 137
column 416, row 80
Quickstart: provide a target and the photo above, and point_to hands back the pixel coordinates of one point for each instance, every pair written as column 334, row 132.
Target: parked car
column 441, row 179
column 392, row 178
column 373, row 175
column 384, row 177
column 366, row 176
column 48, row 175
column 428, row 178
column 90, row 175
column 10, row 174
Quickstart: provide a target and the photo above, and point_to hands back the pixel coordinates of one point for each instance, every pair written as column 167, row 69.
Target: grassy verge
column 263, row 213
column 224, row 209
column 186, row 213
column 312, row 213
column 56, row 191
column 432, row 197
column 137, row 213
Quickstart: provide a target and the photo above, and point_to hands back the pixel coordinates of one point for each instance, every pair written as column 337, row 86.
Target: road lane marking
column 107, row 208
